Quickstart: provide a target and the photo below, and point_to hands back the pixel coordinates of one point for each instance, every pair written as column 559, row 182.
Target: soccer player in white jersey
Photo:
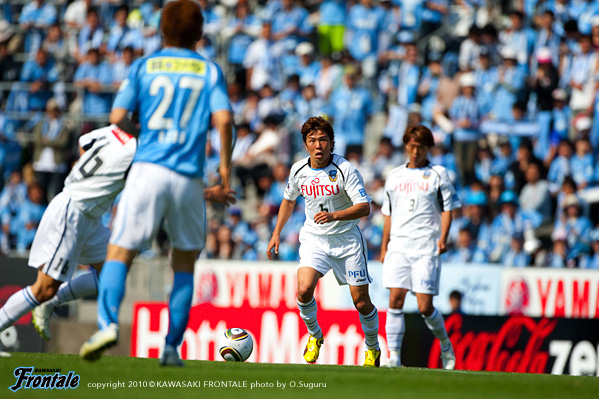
column 419, row 198
column 71, row 232
column 178, row 93
column 330, row 238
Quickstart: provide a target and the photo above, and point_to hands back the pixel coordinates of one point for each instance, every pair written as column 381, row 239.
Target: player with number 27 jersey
column 176, row 91
column 333, row 188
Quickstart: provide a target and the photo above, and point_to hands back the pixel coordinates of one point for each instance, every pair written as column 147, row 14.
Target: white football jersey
column 333, row 188
column 99, row 175
column 415, row 199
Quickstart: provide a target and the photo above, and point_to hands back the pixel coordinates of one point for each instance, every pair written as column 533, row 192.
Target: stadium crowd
column 512, row 103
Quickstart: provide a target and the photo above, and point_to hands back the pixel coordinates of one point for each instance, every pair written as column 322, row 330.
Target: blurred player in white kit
column 419, row 198
column 330, row 238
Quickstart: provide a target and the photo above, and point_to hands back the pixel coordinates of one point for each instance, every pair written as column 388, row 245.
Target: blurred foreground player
column 330, row 238
column 177, row 92
column 417, row 209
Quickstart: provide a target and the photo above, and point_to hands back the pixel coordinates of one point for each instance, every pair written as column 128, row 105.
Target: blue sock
column 111, row 292
column 178, row 307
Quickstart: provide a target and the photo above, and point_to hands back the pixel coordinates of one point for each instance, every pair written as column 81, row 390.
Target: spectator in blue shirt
column 35, row 18
column 91, row 35
column 511, row 81
column 476, row 221
column 560, row 165
column 364, row 24
column 547, row 37
column 560, row 116
column 290, row 24
column 516, row 256
column 465, row 114
column 429, row 84
column 121, row 35
column 41, row 73
column 486, row 80
column 582, row 163
column 120, row 69
column 351, row 107
column 582, row 80
column 411, row 14
column 95, row 77
column 593, row 262
column 29, row 217
column 331, row 25
column 308, row 68
column 241, row 30
column 505, row 225
column 577, row 227
column 519, row 38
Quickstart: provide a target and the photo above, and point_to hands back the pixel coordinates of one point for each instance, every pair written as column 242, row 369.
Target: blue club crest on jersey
column 333, row 175
column 427, row 174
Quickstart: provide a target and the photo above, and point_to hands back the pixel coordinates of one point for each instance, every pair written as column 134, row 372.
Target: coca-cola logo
column 517, row 296
column 206, row 287
column 516, row 347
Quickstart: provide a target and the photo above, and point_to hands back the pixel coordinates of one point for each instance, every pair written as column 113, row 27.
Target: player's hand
column 323, row 217
column 383, row 254
column 274, row 243
column 220, row 195
column 442, row 247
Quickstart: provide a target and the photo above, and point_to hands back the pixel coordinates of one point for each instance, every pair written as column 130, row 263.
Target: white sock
column 370, row 326
column 396, row 327
column 308, row 315
column 79, row 287
column 436, row 324
column 17, row 306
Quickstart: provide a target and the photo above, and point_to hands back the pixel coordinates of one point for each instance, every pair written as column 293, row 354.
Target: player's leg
column 395, row 326
column 24, row 301
column 307, row 278
column 137, row 220
column 425, row 280
column 435, row 322
column 369, row 319
column 186, row 215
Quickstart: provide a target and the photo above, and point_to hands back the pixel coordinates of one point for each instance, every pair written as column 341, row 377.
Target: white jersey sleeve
column 99, row 175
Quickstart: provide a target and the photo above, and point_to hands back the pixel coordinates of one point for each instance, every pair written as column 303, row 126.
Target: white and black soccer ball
column 235, row 345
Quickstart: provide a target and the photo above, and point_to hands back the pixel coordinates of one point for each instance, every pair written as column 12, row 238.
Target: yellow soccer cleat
column 313, row 349
column 372, row 358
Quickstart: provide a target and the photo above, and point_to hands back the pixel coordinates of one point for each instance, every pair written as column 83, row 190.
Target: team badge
column 427, row 174
column 333, row 175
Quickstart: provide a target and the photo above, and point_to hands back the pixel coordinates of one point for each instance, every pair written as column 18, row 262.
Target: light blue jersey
column 176, row 90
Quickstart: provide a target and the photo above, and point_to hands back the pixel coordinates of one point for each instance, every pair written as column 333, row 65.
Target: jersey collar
column 327, row 165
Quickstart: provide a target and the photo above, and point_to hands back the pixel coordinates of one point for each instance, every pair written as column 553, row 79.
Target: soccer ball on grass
column 235, row 345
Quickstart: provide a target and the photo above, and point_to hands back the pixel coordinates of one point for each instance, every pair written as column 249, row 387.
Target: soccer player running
column 417, row 209
column 330, row 238
column 71, row 230
column 177, row 92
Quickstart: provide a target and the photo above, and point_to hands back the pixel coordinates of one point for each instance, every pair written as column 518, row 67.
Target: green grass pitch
column 341, row 381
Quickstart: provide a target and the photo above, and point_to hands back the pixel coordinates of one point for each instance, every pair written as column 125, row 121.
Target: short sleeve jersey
column 415, row 199
column 99, row 175
column 176, row 90
column 333, row 188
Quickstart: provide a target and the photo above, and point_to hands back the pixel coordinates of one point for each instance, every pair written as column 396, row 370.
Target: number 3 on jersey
column 158, row 121
column 412, row 205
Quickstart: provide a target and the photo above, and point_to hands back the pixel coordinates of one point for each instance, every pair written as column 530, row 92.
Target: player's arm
column 285, row 211
column 386, row 237
column 445, row 225
column 118, row 116
column 355, row 211
column 224, row 124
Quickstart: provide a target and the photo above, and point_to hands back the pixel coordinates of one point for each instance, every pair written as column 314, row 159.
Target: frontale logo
column 27, row 380
column 333, row 175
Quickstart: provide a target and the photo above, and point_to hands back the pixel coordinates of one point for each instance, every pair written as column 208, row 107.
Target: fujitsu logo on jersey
column 410, row 186
column 314, row 189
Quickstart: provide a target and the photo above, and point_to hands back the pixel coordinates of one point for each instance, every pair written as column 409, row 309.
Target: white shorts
column 344, row 253
column 417, row 273
column 152, row 194
column 67, row 237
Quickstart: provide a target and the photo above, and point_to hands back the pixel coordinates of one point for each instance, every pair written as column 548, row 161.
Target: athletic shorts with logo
column 417, row 273
column 65, row 238
column 343, row 253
